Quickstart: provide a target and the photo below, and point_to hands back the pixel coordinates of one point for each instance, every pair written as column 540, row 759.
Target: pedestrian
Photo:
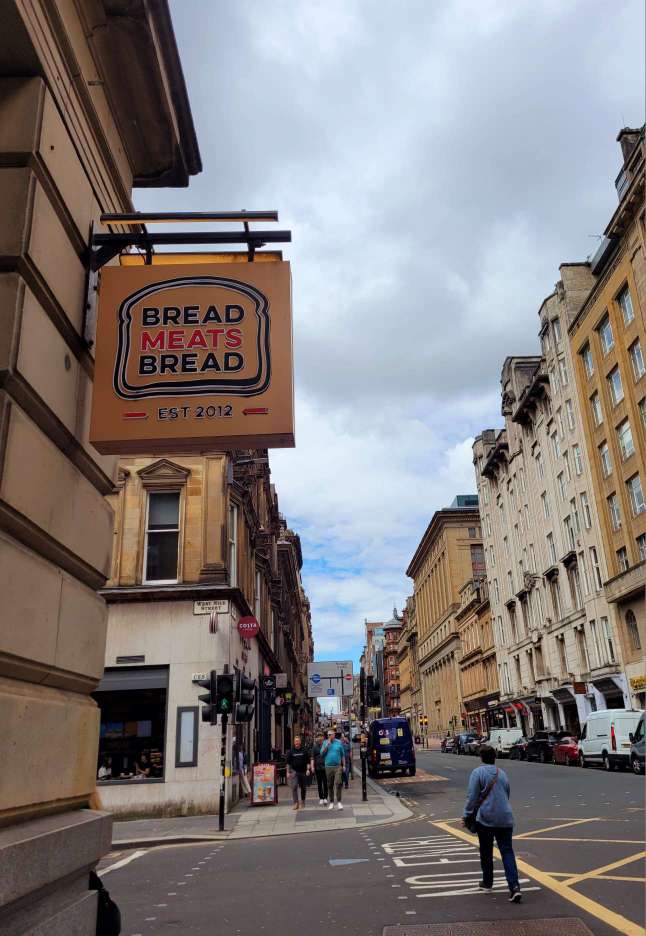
column 488, row 813
column 334, row 759
column 298, row 768
column 347, row 765
column 318, row 767
column 242, row 772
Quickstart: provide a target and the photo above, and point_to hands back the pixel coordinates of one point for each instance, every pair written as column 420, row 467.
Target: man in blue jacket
column 488, row 804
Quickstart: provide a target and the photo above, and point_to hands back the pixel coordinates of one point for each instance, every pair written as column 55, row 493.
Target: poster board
column 264, row 791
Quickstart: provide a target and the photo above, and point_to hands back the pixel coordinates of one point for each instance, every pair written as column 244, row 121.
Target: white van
column 605, row 738
column 501, row 739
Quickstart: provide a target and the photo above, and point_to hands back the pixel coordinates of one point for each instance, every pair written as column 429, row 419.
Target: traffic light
column 209, row 713
column 245, row 697
column 225, row 695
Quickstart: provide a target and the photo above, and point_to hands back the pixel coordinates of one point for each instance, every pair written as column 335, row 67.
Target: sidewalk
column 252, row 821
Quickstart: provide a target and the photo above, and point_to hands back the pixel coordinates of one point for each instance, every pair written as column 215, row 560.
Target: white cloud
column 436, row 162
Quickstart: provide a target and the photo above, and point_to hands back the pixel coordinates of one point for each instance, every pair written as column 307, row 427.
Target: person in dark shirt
column 298, row 767
column 318, row 766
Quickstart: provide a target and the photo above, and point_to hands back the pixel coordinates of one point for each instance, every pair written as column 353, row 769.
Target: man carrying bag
column 488, row 813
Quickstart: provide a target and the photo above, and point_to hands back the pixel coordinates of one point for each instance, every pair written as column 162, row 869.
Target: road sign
column 327, row 674
column 330, row 691
column 268, row 682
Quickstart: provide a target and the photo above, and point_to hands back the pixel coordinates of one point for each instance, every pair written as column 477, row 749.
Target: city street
column 579, row 844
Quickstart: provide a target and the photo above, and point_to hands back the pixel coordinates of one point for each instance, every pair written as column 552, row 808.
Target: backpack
column 108, row 917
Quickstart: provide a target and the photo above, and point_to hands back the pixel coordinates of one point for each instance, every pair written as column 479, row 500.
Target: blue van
column 390, row 747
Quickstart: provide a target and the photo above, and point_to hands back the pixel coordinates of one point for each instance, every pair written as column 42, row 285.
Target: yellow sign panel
column 638, row 683
column 193, row 358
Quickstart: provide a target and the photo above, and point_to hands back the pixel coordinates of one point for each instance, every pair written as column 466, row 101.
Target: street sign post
column 329, row 678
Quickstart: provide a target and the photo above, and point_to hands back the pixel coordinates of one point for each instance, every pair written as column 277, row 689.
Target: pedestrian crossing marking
column 420, row 777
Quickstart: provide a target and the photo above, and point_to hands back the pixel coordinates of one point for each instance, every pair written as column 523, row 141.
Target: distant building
column 392, row 631
column 449, row 554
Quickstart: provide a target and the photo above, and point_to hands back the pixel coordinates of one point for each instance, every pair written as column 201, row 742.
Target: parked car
column 518, row 751
column 566, row 751
column 447, row 744
column 462, row 740
column 637, row 753
column 473, row 746
column 605, row 738
column 390, row 746
column 501, row 739
column 541, row 745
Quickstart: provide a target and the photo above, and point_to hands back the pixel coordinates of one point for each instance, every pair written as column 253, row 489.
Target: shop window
column 186, row 736
column 132, row 732
column 162, row 537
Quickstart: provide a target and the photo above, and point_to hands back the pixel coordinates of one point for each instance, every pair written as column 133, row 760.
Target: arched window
column 633, row 631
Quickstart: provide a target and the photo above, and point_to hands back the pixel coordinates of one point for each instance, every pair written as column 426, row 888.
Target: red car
column 566, row 752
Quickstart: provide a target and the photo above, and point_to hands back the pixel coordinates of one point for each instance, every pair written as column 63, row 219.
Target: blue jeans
column 486, row 835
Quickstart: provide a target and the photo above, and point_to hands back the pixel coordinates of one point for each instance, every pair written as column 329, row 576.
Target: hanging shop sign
column 193, row 357
column 248, row 626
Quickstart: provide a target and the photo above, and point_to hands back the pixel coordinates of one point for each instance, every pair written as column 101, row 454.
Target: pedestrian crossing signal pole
column 223, row 707
column 363, row 749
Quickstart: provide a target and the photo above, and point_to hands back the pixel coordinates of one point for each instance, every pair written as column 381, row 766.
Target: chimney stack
column 627, row 139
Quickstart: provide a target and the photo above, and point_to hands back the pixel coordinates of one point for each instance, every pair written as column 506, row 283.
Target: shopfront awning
column 134, row 677
column 607, row 686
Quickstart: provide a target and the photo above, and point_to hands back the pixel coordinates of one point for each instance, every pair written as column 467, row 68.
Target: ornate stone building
column 608, row 343
column 392, row 688
column 557, row 649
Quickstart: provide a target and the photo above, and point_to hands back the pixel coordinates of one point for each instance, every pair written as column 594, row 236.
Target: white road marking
column 122, row 862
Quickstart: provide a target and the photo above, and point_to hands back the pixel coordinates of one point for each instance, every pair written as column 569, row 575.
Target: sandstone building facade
column 608, row 342
column 76, row 134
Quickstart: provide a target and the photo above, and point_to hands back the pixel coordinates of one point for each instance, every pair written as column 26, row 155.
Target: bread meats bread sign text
column 193, row 358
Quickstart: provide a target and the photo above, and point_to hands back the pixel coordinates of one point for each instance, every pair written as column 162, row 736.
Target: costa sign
column 193, row 357
column 248, row 626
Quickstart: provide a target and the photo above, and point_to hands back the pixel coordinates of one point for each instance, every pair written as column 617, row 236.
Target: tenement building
column 608, row 341
column 199, row 544
column 557, row 649
column 78, row 129
column 450, row 553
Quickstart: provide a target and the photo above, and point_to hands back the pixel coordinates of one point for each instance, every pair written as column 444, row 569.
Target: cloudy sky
column 435, row 160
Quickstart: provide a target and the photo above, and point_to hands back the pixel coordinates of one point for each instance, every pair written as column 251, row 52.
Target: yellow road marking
column 620, row 923
column 619, row 877
column 609, row 867
column 549, row 838
column 562, row 825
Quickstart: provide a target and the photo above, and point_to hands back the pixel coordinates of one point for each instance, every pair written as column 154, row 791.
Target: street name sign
column 329, row 678
column 193, row 357
column 211, row 606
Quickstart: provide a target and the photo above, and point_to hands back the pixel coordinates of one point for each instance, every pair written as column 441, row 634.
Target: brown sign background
column 193, row 357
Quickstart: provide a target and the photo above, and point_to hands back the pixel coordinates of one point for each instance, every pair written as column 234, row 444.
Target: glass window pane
column 161, row 559
column 163, row 510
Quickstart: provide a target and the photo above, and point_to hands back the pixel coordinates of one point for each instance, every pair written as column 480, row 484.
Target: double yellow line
column 564, row 888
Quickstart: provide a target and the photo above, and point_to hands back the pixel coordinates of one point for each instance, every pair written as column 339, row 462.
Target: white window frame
column 609, row 640
column 616, row 395
column 232, row 543
column 637, row 506
column 626, row 450
column 588, row 360
column 605, row 329
column 626, row 307
column 637, row 360
column 578, row 459
column 614, row 511
column 596, row 568
column 585, row 507
column 597, row 409
column 144, row 578
column 606, row 459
